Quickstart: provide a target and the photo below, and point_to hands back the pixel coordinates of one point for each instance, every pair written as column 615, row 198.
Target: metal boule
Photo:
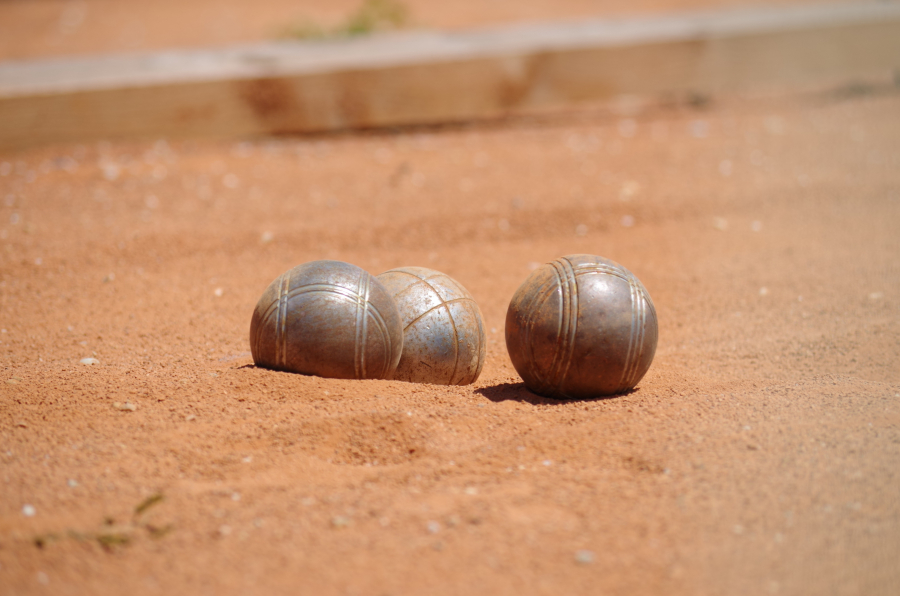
column 330, row 319
column 581, row 326
column 443, row 331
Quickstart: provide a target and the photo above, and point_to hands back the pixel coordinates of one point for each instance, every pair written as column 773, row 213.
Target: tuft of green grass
column 110, row 540
column 371, row 16
column 112, row 537
column 159, row 532
column 148, row 503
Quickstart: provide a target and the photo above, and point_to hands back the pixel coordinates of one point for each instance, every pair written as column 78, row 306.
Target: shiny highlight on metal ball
column 443, row 331
column 581, row 326
column 329, row 319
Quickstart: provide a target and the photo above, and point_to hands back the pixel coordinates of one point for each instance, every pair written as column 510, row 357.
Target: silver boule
column 582, row 326
column 330, row 319
column 443, row 331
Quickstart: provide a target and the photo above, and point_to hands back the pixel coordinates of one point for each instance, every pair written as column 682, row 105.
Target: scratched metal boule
column 330, row 319
column 443, row 331
column 581, row 326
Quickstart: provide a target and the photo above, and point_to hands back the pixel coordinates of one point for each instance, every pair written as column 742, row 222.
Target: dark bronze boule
column 329, row 319
column 443, row 332
column 580, row 327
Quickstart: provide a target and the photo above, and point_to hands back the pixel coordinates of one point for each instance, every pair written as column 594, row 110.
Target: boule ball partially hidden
column 330, row 319
column 582, row 326
column 443, row 332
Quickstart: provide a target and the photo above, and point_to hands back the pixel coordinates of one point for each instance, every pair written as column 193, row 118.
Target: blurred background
column 40, row 28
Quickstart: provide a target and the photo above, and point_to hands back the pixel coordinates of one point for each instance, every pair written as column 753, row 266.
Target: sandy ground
column 760, row 454
column 39, row 28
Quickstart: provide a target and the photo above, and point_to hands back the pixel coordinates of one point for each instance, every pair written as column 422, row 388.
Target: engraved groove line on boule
column 536, row 299
column 362, row 302
column 281, row 322
column 642, row 332
column 626, row 368
column 329, row 289
column 444, row 304
column 276, row 307
column 455, row 344
column 565, row 326
column 435, row 307
column 604, row 270
column 635, row 340
column 561, row 320
column 572, row 280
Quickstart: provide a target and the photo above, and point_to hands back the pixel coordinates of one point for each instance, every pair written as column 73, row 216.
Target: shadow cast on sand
column 519, row 392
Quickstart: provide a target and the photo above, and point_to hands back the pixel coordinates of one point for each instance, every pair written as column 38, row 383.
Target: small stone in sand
column 89, row 361
column 584, row 557
column 28, row 510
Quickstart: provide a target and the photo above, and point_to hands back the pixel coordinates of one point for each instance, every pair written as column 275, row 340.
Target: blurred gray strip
column 291, row 59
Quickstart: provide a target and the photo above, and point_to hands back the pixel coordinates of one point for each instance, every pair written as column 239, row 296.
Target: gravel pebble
column 584, row 557
column 89, row 361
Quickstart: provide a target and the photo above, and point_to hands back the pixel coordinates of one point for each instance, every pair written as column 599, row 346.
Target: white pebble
column 89, row 361
column 584, row 557
column 72, row 482
column 28, row 510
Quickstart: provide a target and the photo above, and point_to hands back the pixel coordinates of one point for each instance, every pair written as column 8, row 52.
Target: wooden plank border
column 432, row 77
